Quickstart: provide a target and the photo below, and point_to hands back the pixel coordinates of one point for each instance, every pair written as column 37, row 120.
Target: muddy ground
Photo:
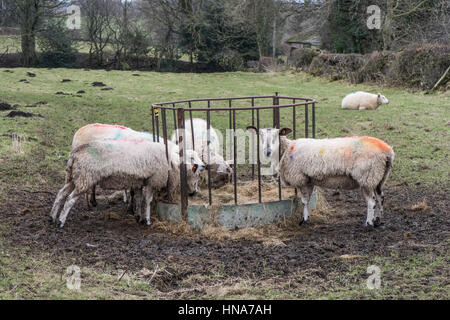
column 107, row 236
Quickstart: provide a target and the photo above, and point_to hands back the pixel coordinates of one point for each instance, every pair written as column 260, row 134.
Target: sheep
column 363, row 101
column 118, row 165
column 220, row 169
column 97, row 131
column 340, row 163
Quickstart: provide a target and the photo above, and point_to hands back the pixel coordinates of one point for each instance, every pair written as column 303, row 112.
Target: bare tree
column 98, row 16
column 31, row 13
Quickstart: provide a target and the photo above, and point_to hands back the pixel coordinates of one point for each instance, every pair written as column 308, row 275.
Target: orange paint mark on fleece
column 110, row 126
column 376, row 143
column 292, row 148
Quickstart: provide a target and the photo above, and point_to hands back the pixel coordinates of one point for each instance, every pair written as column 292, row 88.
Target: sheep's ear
column 285, row 131
column 194, row 168
column 252, row 129
column 379, row 95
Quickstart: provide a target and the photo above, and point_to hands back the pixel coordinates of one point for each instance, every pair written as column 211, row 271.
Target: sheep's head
column 221, row 171
column 269, row 139
column 382, row 99
column 192, row 176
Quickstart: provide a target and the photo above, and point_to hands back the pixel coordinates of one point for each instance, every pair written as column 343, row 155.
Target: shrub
column 302, row 58
column 376, row 66
column 337, row 66
column 420, row 67
column 229, row 60
column 57, row 45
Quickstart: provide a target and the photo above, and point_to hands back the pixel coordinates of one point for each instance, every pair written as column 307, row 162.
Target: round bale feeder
column 266, row 202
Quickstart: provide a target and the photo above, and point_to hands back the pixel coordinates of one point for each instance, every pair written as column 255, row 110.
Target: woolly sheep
column 119, row 165
column 340, row 163
column 97, row 131
column 221, row 172
column 363, row 101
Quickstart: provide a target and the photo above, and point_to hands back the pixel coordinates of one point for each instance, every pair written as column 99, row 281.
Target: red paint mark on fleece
column 110, row 126
column 376, row 143
column 130, row 140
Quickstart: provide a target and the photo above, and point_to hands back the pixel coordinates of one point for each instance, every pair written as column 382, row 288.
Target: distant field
column 417, row 125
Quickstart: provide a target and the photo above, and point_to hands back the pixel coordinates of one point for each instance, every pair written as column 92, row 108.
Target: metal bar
column 258, row 157
column 314, row 120
column 157, row 124
column 294, row 121
column 276, row 124
column 253, row 140
column 182, row 146
column 231, row 127
column 281, row 106
column 276, row 111
column 306, row 121
column 233, row 98
column 235, row 157
column 208, row 144
column 164, row 124
column 175, row 122
column 192, row 125
column 153, row 124
column 294, row 124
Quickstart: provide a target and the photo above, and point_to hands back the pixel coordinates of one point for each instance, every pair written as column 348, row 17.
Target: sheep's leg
column 371, row 201
column 138, row 201
column 125, row 196
column 130, row 208
column 306, row 192
column 62, row 195
column 73, row 197
column 93, row 200
column 86, row 197
column 379, row 211
column 148, row 196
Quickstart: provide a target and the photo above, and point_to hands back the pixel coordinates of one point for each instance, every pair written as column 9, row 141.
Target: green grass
column 415, row 124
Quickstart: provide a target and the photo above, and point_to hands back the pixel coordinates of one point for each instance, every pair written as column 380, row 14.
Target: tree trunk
column 28, row 36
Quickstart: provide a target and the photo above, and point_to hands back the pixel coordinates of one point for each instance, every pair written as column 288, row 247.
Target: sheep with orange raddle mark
column 341, row 163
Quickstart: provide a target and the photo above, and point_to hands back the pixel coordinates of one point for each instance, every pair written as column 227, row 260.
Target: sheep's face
column 193, row 174
column 382, row 99
column 269, row 141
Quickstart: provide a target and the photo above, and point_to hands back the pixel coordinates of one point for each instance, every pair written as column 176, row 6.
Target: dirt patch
column 14, row 114
column 109, row 236
column 5, row 106
column 98, row 84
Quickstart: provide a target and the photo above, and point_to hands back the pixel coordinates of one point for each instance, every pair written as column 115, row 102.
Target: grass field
column 414, row 123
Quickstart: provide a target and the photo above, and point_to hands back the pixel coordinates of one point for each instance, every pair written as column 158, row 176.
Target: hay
column 247, row 192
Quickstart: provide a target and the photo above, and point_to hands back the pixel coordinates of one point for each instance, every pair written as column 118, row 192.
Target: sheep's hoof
column 51, row 220
column 60, row 224
column 302, row 222
column 377, row 222
column 368, row 226
column 149, row 223
column 94, row 203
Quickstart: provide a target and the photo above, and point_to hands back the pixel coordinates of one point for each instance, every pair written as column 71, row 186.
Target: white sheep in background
column 363, row 101
column 97, row 131
column 221, row 171
column 119, row 165
column 341, row 163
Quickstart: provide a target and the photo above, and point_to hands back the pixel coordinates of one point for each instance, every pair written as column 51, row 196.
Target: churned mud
column 414, row 221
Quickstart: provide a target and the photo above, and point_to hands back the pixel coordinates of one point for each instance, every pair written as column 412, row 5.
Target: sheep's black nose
column 269, row 153
column 192, row 193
